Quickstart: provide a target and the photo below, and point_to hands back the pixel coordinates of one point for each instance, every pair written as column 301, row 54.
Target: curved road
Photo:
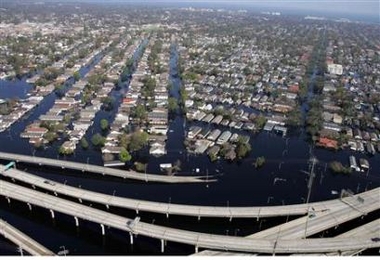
column 318, row 245
column 176, row 209
column 102, row 170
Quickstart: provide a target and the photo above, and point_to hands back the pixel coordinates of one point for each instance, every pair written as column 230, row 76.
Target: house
column 217, row 119
column 202, row 145
column 337, row 119
column 129, row 102
column 366, row 136
column 357, row 134
column 189, row 103
column 204, row 133
column 374, row 137
column 239, row 125
column 327, row 143
column 69, row 146
column 349, row 132
column 51, row 118
column 36, row 130
column 329, row 87
column 225, row 122
column 158, row 129
column 269, row 126
column 282, row 108
column 234, row 138
column 194, row 131
column 335, row 69
column 208, row 118
column 332, row 126
column 214, row 135
column 232, row 124
column 159, row 116
column 353, row 164
column 290, row 95
column 224, row 137
column 213, row 151
column 327, row 117
column 281, row 130
column 200, row 115
column 370, row 148
column 294, row 88
column 364, row 163
column 112, row 149
column 123, row 119
column 231, row 154
column 157, row 148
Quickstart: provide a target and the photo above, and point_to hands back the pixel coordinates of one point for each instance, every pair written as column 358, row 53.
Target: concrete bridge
column 369, row 203
column 23, row 241
column 176, row 209
column 371, row 229
column 104, row 170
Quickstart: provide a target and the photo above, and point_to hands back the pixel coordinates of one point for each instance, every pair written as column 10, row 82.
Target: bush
column 337, row 167
column 64, row 151
column 98, row 140
column 104, row 124
column 260, row 161
column 84, row 143
column 140, row 167
column 124, row 155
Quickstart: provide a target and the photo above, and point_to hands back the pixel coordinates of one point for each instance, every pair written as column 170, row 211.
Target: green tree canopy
column 98, row 140
column 84, row 143
column 138, row 140
column 242, row 149
column 172, row 104
column 140, row 112
column 104, row 124
column 124, row 155
column 76, row 75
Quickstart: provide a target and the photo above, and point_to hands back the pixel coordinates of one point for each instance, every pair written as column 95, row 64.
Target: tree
column 184, row 95
column 76, row 75
column 98, row 140
column 140, row 167
column 124, row 155
column 59, row 90
column 140, row 112
column 242, row 149
column 337, row 167
column 50, row 136
column 260, row 161
column 63, row 150
column 172, row 105
column 138, row 141
column 108, row 102
column 84, row 143
column 104, row 124
column 295, row 117
column 260, row 121
column 124, row 140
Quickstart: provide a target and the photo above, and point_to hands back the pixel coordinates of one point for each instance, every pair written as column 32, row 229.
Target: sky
column 351, row 7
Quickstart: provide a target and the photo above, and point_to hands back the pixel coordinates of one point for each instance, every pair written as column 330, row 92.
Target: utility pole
column 20, row 250
column 311, row 178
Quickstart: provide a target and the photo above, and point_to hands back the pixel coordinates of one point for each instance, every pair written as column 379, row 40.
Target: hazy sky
column 361, row 7
column 342, row 6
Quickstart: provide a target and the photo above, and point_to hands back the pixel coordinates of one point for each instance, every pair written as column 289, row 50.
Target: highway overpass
column 22, row 240
column 176, row 209
column 203, row 240
column 103, row 170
